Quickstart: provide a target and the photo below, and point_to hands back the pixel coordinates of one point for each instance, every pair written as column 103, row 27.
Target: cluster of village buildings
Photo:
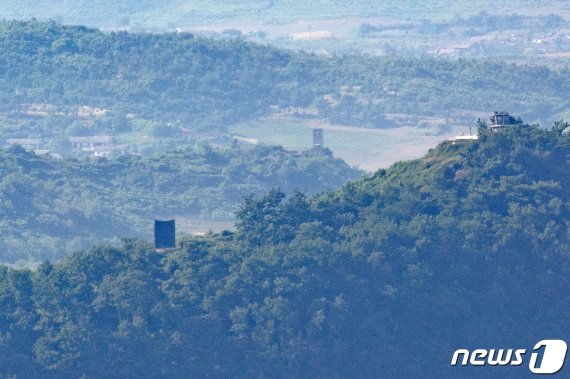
column 107, row 146
column 92, row 146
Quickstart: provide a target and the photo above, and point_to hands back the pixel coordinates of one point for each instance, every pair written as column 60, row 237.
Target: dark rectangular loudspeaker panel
column 164, row 234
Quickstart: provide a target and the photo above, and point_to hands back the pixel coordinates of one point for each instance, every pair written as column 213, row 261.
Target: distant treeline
column 208, row 84
column 478, row 24
column 50, row 207
column 148, row 14
column 385, row 277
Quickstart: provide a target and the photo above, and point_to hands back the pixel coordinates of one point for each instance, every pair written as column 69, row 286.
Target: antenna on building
column 164, row 234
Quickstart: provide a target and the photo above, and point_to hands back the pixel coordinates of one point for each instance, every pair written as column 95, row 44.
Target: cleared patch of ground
column 317, row 34
column 186, row 226
column 366, row 148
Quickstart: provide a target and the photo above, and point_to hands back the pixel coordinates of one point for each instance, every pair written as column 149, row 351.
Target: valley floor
column 366, row 148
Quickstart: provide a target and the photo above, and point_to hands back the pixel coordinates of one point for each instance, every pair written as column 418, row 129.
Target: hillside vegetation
column 50, row 207
column 517, row 31
column 58, row 81
column 385, row 277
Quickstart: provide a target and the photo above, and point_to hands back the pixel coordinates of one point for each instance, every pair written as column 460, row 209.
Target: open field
column 365, row 148
column 186, row 226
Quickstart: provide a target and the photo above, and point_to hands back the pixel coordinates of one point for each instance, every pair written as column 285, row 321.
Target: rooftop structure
column 95, row 146
column 462, row 138
column 30, row 144
column 91, row 141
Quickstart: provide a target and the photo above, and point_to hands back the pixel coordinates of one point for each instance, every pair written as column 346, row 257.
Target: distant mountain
column 520, row 31
column 50, row 207
column 466, row 248
column 164, row 13
column 137, row 84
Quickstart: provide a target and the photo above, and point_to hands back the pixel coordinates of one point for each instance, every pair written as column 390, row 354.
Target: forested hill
column 50, row 207
column 385, row 277
column 48, row 72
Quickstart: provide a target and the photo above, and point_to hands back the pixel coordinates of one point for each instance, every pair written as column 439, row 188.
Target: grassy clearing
column 186, row 226
column 368, row 149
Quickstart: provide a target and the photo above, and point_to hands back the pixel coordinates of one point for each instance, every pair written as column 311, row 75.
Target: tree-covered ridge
column 49, row 71
column 385, row 277
column 138, row 73
column 51, row 207
column 517, row 31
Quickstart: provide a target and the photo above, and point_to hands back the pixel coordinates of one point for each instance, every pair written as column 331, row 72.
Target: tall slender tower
column 318, row 140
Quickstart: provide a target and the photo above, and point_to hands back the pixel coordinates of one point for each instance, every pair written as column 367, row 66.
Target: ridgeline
column 59, row 81
column 53, row 207
column 385, row 277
